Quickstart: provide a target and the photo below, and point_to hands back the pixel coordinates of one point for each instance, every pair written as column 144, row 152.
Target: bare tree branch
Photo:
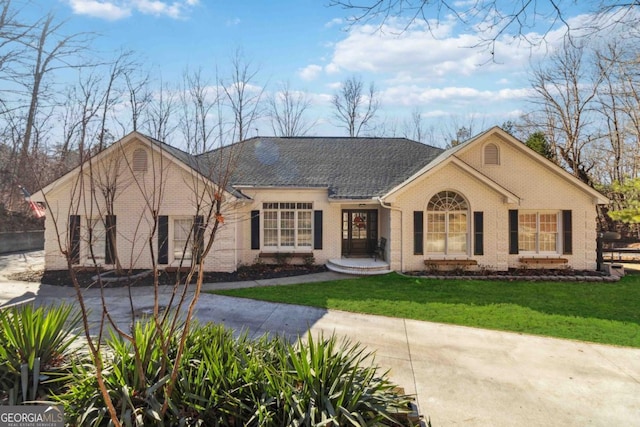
column 354, row 110
column 490, row 19
column 243, row 95
column 286, row 112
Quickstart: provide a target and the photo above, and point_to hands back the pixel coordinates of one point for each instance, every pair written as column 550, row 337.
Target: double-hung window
column 97, row 239
column 538, row 232
column 287, row 225
column 182, row 238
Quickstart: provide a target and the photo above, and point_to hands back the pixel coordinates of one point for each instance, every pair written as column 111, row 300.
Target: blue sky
column 309, row 44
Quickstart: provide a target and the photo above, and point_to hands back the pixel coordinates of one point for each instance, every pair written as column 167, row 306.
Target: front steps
column 358, row 266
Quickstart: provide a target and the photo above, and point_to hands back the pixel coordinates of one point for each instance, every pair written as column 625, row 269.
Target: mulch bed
column 519, row 274
column 513, row 272
column 86, row 277
column 265, row 271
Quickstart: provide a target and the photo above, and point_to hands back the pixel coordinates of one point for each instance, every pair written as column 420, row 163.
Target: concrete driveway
column 461, row 376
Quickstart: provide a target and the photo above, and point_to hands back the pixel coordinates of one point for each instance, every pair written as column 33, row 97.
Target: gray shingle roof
column 351, row 168
column 183, row 156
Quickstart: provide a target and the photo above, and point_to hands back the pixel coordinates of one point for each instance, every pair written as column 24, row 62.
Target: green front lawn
column 606, row 313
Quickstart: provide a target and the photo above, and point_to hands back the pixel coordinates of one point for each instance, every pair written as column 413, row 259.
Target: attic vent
column 491, row 155
column 139, row 163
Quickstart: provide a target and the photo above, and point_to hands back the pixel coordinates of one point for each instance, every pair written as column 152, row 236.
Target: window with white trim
column 96, row 238
column 447, row 224
column 538, row 232
column 182, row 238
column 287, row 225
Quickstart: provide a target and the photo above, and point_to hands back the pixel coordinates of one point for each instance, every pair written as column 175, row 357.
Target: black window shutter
column 198, row 237
column 513, row 231
column 317, row 229
column 255, row 229
column 567, row 233
column 478, row 233
column 74, row 239
column 418, row 232
column 163, row 239
column 110, row 239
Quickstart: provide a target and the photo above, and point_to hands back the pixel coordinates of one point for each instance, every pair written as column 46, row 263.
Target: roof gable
column 179, row 157
column 452, row 156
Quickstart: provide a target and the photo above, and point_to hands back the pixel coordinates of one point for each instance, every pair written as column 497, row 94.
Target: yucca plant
column 334, row 383
column 222, row 378
column 134, row 377
column 228, row 380
column 36, row 350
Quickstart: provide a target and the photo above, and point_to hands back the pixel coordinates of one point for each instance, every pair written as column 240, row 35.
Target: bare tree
column 30, row 55
column 199, row 119
column 243, row 95
column 49, row 52
column 13, row 31
column 286, row 112
column 414, row 128
column 353, row 109
column 120, row 68
column 139, row 97
column 459, row 128
column 162, row 107
column 629, row 86
column 565, row 91
column 610, row 108
column 89, row 99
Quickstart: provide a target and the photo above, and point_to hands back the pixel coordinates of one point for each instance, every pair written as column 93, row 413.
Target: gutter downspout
column 393, row 208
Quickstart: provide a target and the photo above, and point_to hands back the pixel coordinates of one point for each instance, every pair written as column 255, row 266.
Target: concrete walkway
column 461, row 376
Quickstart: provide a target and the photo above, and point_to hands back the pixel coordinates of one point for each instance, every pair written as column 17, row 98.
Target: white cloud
column 310, row 72
column 233, row 22
column 418, row 54
column 120, row 9
column 332, row 68
column 320, row 99
column 435, row 114
column 413, row 95
column 334, row 22
column 99, row 9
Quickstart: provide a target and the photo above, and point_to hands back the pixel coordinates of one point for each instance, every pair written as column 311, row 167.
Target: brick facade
column 518, row 180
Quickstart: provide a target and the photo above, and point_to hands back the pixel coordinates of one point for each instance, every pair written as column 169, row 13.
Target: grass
column 599, row 312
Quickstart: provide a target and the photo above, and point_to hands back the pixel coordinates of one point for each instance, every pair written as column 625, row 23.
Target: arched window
column 139, row 163
column 447, row 224
column 491, row 154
